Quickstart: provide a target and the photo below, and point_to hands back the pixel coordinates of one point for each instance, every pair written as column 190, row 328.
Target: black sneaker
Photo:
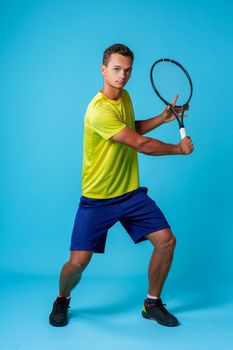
column 155, row 310
column 58, row 316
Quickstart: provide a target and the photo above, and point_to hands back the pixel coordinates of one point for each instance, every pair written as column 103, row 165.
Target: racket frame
column 180, row 119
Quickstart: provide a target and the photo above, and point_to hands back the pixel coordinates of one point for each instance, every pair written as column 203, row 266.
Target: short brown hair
column 117, row 48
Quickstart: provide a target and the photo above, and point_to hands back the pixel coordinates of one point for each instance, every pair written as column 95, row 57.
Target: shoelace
column 61, row 306
column 163, row 308
column 160, row 305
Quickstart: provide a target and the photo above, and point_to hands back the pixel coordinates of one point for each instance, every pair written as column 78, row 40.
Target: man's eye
column 116, row 69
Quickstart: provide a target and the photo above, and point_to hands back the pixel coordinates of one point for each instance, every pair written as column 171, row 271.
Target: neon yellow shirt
column 110, row 169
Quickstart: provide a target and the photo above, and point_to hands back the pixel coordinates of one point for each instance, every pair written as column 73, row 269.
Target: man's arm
column 151, row 146
column 144, row 126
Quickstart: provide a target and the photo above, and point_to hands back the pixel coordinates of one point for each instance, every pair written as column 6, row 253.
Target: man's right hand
column 186, row 146
column 151, row 146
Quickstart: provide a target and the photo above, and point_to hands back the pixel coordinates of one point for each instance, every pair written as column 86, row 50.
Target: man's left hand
column 167, row 113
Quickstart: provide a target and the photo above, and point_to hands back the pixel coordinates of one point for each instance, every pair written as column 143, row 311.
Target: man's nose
column 122, row 74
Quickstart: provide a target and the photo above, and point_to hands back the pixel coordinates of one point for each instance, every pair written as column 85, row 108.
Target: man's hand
column 186, row 146
column 167, row 114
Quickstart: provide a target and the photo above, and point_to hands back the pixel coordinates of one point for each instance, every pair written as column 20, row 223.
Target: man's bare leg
column 69, row 278
column 72, row 271
column 164, row 244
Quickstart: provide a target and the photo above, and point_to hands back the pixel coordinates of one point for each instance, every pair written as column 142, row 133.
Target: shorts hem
column 143, row 238
column 86, row 250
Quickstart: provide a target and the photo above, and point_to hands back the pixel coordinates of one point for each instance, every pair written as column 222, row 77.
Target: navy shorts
column 135, row 210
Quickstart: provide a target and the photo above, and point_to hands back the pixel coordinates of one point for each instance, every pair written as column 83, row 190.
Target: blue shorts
column 135, row 210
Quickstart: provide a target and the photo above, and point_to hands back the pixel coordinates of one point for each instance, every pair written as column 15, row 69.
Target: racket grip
column 182, row 133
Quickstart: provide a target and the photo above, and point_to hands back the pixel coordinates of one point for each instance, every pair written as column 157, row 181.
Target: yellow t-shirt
column 110, row 169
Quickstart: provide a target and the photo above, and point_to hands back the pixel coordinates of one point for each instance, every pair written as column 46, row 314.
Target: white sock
column 63, row 297
column 152, row 297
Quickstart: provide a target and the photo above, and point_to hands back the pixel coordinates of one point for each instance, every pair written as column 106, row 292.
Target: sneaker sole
column 57, row 324
column 148, row 317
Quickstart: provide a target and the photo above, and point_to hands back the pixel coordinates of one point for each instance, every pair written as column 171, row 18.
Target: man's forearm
column 158, row 148
column 144, row 126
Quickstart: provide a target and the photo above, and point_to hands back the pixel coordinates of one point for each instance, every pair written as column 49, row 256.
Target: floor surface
column 106, row 314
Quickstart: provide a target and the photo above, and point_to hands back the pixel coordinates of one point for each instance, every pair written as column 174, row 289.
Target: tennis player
column 111, row 191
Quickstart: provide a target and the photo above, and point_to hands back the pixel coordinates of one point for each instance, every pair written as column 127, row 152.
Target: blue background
column 50, row 56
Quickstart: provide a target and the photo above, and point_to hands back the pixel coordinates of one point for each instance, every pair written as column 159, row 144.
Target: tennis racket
column 169, row 78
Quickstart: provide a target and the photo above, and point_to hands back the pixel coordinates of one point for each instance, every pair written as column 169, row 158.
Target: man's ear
column 103, row 69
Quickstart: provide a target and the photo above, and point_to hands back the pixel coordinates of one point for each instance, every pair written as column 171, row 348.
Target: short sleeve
column 105, row 122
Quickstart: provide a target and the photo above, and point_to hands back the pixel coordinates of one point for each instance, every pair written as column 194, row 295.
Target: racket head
column 169, row 78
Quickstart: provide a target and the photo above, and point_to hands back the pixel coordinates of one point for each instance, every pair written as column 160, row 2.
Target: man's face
column 118, row 71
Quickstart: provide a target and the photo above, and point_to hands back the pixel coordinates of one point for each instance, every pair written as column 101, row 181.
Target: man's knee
column 78, row 262
column 76, row 266
column 167, row 245
column 171, row 242
column 163, row 240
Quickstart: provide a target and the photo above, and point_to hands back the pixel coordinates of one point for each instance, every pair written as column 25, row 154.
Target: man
column 111, row 191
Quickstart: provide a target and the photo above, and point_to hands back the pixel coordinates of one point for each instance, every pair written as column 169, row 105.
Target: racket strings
column 169, row 79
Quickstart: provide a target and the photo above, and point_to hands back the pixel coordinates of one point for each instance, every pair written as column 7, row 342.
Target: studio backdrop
column 50, row 57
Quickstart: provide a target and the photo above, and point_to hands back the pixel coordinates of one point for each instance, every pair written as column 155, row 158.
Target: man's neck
column 111, row 93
